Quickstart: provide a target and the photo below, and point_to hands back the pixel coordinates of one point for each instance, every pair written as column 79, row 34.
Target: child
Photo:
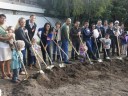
column 83, row 49
column 33, row 58
column 123, row 43
column 106, row 45
column 17, row 58
column 10, row 32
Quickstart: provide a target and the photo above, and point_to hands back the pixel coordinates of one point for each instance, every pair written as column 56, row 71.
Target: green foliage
column 105, row 9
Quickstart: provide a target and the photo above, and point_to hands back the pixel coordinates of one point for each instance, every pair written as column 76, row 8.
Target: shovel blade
column 91, row 63
column 50, row 67
column 100, row 60
column 62, row 65
column 108, row 58
column 120, row 58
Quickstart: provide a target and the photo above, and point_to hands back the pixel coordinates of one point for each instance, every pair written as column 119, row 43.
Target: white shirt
column 31, row 24
column 106, row 42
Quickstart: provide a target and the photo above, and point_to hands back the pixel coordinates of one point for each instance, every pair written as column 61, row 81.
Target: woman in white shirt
column 5, row 50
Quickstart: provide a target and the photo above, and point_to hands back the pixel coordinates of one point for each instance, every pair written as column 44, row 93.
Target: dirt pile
column 71, row 74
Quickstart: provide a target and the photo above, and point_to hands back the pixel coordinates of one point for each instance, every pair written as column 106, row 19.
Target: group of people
column 20, row 46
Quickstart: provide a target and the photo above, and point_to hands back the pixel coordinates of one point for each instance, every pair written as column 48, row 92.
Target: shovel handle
column 45, row 50
column 41, row 59
column 34, row 51
column 86, row 52
column 73, row 47
column 60, row 49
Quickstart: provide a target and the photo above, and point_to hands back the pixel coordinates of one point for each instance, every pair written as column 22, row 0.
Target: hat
column 117, row 22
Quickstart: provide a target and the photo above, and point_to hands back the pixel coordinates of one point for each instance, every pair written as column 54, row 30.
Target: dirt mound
column 71, row 74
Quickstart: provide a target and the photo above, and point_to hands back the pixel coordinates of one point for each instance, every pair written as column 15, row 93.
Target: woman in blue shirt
column 46, row 38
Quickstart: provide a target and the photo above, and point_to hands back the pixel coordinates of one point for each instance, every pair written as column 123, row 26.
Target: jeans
column 15, row 74
column 90, row 51
column 65, row 49
column 114, row 46
column 28, row 55
column 33, row 60
column 76, row 44
column 106, row 53
column 24, row 60
column 56, row 48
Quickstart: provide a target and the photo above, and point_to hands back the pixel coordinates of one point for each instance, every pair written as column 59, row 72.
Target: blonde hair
column 20, row 44
column 18, row 23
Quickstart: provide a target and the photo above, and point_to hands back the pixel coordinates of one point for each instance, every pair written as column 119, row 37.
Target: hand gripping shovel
column 26, row 73
column 51, row 63
column 86, row 52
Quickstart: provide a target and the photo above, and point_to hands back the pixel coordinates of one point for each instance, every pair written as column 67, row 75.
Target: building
column 14, row 9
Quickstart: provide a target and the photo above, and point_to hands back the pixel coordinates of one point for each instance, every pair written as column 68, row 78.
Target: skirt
column 5, row 54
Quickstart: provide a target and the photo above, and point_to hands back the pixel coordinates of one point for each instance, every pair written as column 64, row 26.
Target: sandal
column 16, row 81
column 4, row 76
column 9, row 75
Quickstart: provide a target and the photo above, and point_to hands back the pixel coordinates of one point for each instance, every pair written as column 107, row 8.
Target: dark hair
column 32, row 15
column 9, row 28
column 76, row 21
column 2, row 15
column 93, row 24
column 110, row 23
column 107, row 34
column 86, row 22
column 58, row 23
column 45, row 27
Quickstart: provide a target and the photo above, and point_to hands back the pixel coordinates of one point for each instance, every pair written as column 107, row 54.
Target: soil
column 109, row 78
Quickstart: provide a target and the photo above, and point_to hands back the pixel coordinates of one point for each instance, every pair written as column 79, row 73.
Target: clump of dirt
column 71, row 74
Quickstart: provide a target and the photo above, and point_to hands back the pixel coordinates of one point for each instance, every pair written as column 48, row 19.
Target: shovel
column 120, row 58
column 61, row 49
column 99, row 60
column 40, row 69
column 75, row 50
column 86, row 52
column 62, row 64
column 51, row 63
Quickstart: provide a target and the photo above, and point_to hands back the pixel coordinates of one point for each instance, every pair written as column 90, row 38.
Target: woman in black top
column 20, row 33
column 46, row 37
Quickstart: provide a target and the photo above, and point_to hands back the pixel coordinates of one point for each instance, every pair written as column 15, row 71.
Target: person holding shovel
column 57, row 39
column 31, row 27
column 87, row 34
column 20, row 33
column 45, row 34
column 75, row 32
column 106, row 45
column 65, row 39
column 16, row 63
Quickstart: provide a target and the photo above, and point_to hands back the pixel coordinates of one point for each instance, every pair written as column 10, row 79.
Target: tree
column 75, row 8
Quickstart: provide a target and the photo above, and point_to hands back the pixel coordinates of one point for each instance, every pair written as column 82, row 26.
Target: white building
column 14, row 9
